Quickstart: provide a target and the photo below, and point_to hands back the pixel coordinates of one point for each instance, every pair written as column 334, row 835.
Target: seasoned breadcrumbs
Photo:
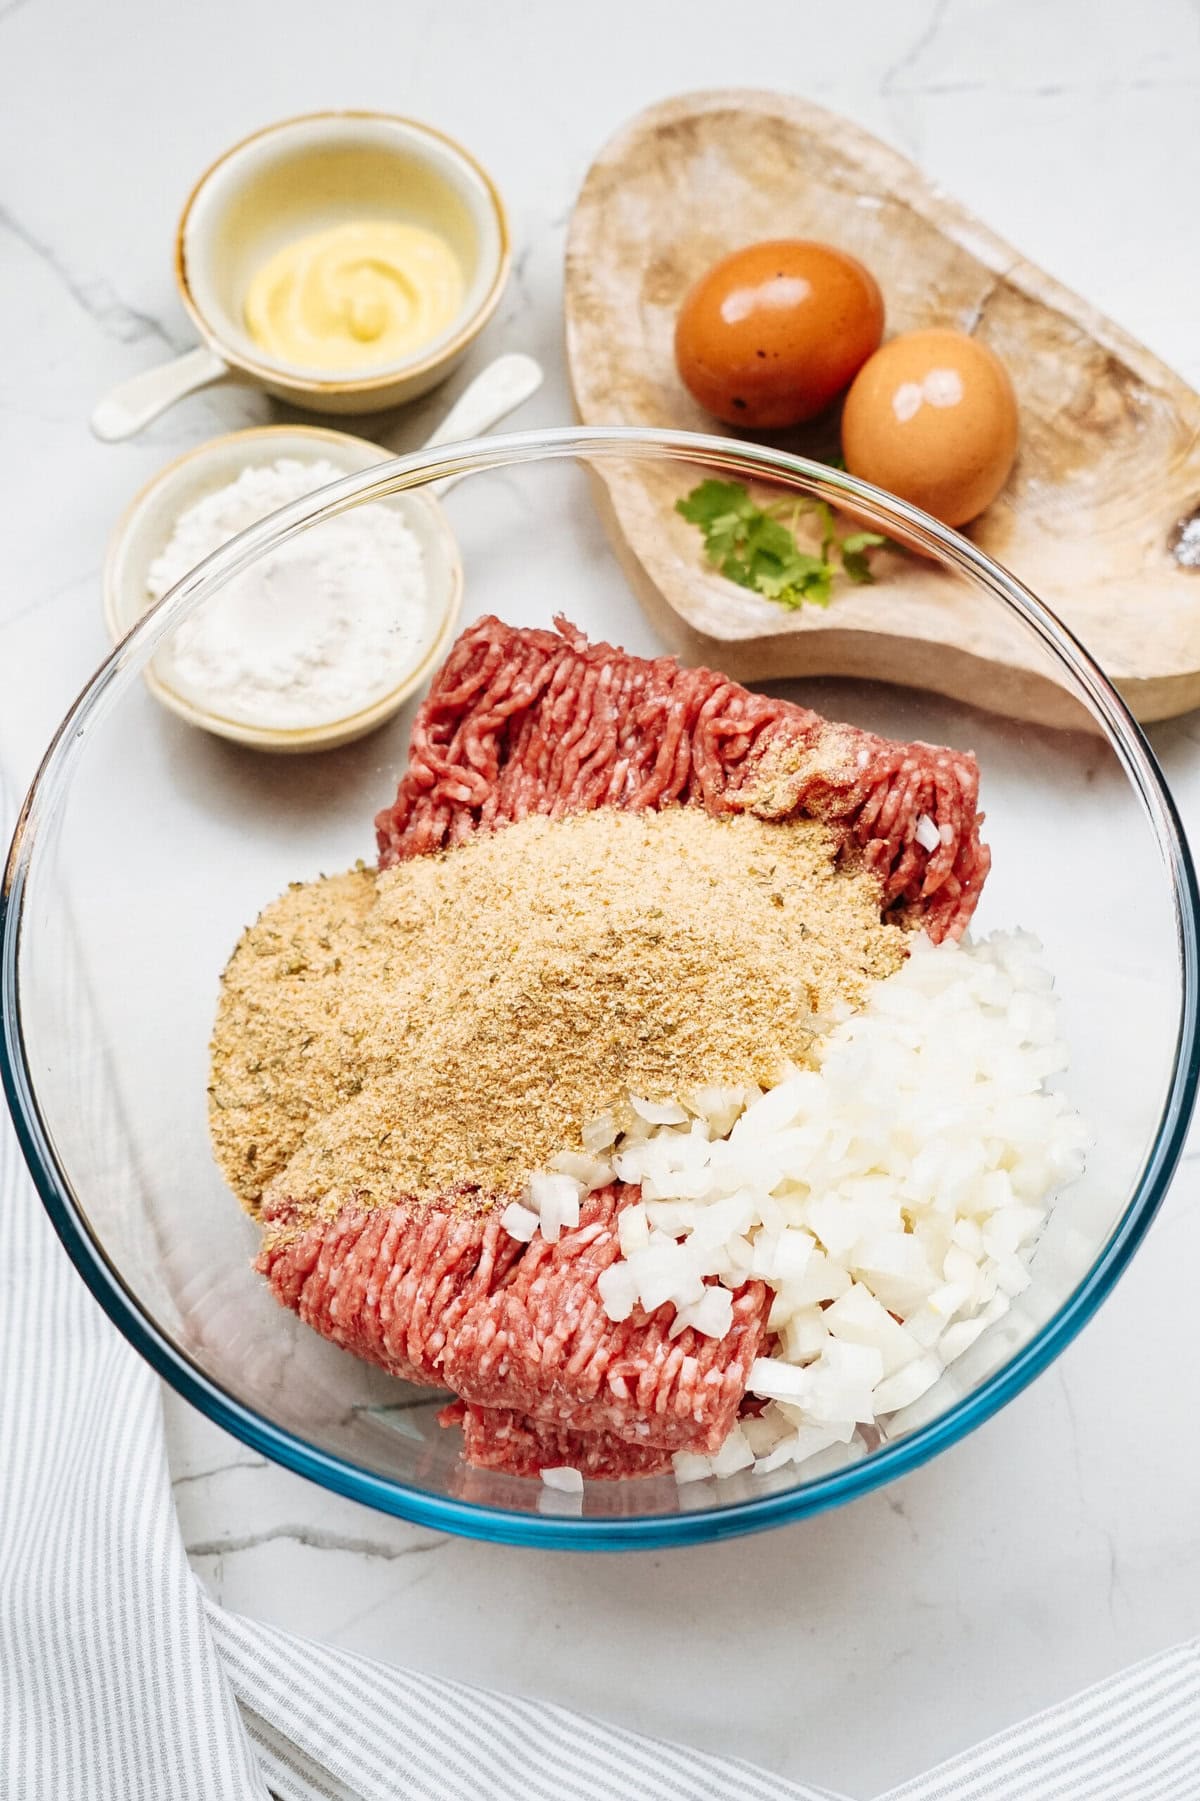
column 443, row 1028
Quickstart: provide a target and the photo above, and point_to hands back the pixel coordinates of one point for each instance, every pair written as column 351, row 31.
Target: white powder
column 313, row 632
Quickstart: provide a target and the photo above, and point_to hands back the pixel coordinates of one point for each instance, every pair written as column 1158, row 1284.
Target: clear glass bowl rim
column 602, row 444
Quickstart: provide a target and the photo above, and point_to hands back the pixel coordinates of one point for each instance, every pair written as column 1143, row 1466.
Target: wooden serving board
column 1109, row 459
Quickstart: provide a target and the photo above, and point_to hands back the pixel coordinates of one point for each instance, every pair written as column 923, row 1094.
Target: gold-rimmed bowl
column 283, row 182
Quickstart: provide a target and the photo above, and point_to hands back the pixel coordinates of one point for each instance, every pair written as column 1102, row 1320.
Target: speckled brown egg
column 770, row 335
column 932, row 417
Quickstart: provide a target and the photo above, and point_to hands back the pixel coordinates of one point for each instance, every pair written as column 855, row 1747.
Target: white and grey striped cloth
column 121, row 1681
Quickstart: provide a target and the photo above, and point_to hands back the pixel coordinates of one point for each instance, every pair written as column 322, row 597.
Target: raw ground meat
column 519, row 1332
column 496, row 1438
column 522, row 722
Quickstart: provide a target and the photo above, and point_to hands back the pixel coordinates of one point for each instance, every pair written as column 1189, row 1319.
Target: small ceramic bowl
column 286, row 181
column 144, row 530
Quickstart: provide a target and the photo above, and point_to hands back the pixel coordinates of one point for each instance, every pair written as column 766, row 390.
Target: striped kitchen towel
column 121, row 1681
column 1133, row 1737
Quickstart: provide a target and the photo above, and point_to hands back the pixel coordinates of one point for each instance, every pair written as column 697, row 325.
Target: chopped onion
column 711, row 1315
column 859, row 1318
column 599, row 1134
column 633, row 1230
column 804, row 1334
column 908, row 1384
column 562, row 1477
column 659, row 1113
column 735, row 1454
column 774, row 1380
column 555, row 1199
column 519, row 1222
column 666, row 1272
column 960, row 1337
column 618, row 1290
column 591, row 1172
column 889, row 1197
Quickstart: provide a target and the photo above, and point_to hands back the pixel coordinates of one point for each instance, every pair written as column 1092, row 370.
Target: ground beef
column 495, row 1438
column 522, row 722
column 518, row 1331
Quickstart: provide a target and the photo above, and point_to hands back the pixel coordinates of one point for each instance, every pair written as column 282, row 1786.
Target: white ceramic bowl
column 300, row 176
column 144, row 530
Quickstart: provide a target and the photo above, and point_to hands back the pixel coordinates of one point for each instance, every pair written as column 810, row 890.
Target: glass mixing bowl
column 146, row 845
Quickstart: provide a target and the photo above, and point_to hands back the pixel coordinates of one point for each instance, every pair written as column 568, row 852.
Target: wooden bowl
column 1108, row 471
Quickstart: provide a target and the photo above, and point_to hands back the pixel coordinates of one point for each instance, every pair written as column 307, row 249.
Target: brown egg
column 770, row 335
column 932, row 417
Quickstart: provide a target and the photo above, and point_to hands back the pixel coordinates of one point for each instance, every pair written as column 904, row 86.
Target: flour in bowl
column 312, row 633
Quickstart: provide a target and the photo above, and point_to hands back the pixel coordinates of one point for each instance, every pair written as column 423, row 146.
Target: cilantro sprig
column 756, row 547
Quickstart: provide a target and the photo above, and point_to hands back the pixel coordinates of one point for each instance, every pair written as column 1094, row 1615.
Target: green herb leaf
column 854, row 554
column 756, row 546
column 712, row 500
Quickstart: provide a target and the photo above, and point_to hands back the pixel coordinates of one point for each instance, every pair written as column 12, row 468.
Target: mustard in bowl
column 356, row 222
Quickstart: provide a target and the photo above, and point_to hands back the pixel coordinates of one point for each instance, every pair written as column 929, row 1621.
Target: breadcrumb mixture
column 443, row 1028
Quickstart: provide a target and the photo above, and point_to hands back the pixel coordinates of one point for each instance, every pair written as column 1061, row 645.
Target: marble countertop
column 1060, row 1541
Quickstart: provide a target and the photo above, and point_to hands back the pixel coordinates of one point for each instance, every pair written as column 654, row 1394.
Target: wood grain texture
column 1109, row 459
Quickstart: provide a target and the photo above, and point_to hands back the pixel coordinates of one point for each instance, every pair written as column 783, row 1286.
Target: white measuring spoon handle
column 498, row 390
column 129, row 407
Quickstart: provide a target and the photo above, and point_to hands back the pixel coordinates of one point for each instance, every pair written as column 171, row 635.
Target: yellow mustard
column 355, row 296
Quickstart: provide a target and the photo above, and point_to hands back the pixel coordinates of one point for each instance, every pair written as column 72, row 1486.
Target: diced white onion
column 590, row 1172
column 735, row 1454
column 599, row 1134
column 804, row 1334
column 859, row 1318
column 519, row 1222
column 773, row 1380
column 711, row 1315
column 555, row 1200
column 633, row 1229
column 658, row 1113
column 889, row 1196
column 960, row 1337
column 563, row 1477
column 908, row 1384
column 618, row 1290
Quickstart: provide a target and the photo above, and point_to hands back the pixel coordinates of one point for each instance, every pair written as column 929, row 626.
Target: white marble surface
column 1058, row 1543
